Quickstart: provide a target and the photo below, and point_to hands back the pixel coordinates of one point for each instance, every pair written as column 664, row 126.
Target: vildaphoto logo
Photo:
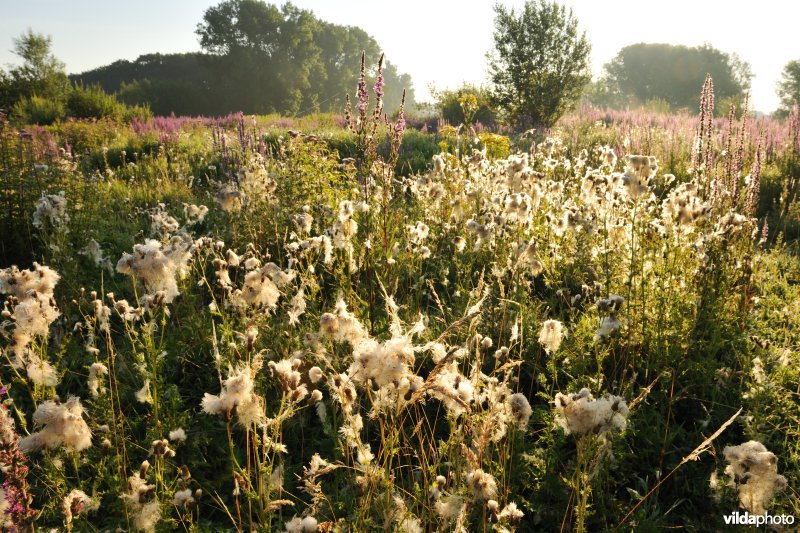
column 746, row 519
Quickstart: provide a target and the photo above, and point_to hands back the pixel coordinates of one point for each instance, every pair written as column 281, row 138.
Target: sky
column 438, row 42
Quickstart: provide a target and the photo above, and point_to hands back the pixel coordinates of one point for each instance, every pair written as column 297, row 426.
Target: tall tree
column 789, row 87
column 40, row 74
column 264, row 56
column 540, row 64
column 285, row 59
column 169, row 83
column 673, row 73
column 258, row 58
column 341, row 48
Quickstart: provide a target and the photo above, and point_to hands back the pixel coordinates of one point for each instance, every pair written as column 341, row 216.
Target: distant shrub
column 657, row 105
column 36, row 110
column 80, row 103
column 416, row 152
column 84, row 136
column 93, row 102
column 342, row 142
column 140, row 113
column 452, row 111
column 723, row 107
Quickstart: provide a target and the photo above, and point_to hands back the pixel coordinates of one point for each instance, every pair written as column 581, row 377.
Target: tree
column 285, row 59
column 264, row 55
column 789, row 87
column 169, row 83
column 341, row 48
column 258, row 58
column 451, row 110
column 642, row 72
column 40, row 74
column 540, row 64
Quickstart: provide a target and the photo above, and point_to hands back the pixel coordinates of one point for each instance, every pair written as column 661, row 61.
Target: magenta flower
column 400, row 126
column 379, row 83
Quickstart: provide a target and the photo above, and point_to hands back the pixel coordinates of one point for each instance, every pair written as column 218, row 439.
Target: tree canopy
column 540, row 64
column 449, row 105
column 41, row 74
column 258, row 58
column 789, row 87
column 169, row 83
column 642, row 73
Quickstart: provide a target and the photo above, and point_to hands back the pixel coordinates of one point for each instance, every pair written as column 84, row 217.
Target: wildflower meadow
column 350, row 323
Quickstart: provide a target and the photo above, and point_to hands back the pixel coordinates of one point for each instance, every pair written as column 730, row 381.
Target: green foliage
column 642, row 72
column 40, row 74
column 723, row 107
column 416, row 151
column 81, row 103
column 603, row 93
column 416, row 148
column 497, row 146
column 38, row 110
column 259, row 58
column 451, row 110
column 702, row 300
column 540, row 64
column 86, row 138
column 656, row 105
column 168, row 83
column 142, row 113
column 265, row 55
column 38, row 91
column 788, row 88
column 93, row 102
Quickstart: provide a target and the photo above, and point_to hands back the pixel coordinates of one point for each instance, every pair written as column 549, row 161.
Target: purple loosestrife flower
column 754, row 185
column 224, row 145
column 363, row 95
column 241, row 133
column 348, row 114
column 379, row 83
column 363, row 99
column 400, row 125
column 378, row 88
column 18, row 514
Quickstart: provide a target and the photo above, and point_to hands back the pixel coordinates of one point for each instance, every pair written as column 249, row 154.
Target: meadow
column 357, row 324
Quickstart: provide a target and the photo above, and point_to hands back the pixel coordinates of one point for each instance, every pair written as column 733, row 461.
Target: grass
column 367, row 379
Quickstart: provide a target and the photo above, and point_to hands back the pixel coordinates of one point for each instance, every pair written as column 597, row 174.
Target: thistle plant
column 364, row 124
column 591, row 421
column 290, row 340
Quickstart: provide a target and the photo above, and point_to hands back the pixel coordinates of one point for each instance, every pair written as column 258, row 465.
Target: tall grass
column 227, row 330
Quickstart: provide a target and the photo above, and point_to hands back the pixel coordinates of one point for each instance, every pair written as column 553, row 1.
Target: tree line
column 260, row 58
column 669, row 75
column 539, row 69
column 257, row 58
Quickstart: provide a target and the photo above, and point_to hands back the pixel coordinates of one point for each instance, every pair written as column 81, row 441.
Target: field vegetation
column 229, row 323
column 515, row 311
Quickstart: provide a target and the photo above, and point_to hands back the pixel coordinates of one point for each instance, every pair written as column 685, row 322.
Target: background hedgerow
column 286, row 325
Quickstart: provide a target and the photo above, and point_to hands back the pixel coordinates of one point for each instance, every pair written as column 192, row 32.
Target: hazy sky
column 443, row 42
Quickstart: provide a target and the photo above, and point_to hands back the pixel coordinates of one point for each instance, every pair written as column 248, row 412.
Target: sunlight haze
column 444, row 41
